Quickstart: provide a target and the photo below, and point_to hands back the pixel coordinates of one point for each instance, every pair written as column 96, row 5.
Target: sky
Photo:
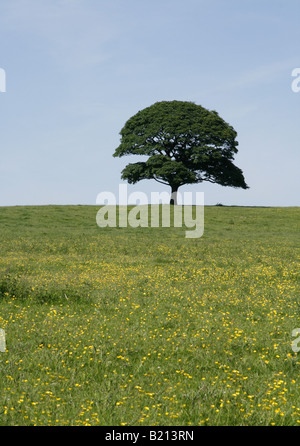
column 77, row 70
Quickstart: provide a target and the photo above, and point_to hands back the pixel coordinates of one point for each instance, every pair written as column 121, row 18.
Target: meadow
column 142, row 326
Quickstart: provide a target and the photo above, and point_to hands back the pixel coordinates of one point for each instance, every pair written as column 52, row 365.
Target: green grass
column 143, row 326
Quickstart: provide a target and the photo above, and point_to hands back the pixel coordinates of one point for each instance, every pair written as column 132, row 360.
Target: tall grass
column 133, row 326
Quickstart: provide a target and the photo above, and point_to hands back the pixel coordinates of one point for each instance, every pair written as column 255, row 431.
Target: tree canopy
column 185, row 143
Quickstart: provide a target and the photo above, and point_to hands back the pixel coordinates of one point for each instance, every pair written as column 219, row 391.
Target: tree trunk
column 173, row 200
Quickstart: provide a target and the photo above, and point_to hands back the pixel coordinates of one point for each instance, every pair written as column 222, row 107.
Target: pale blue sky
column 76, row 70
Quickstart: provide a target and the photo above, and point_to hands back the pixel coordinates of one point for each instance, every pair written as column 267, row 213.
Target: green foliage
column 186, row 144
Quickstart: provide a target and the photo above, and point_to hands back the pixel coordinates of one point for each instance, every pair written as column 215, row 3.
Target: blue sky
column 76, row 70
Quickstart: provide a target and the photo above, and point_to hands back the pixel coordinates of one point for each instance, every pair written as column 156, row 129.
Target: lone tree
column 185, row 143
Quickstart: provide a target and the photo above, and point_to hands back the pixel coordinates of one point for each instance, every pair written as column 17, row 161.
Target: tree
column 185, row 143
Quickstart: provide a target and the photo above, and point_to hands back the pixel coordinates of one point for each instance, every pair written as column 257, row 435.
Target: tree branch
column 166, row 184
column 207, row 179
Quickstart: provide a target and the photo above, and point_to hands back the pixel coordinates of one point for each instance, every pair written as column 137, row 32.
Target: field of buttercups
column 141, row 326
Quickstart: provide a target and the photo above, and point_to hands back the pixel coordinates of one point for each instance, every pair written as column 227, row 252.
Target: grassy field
column 124, row 326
